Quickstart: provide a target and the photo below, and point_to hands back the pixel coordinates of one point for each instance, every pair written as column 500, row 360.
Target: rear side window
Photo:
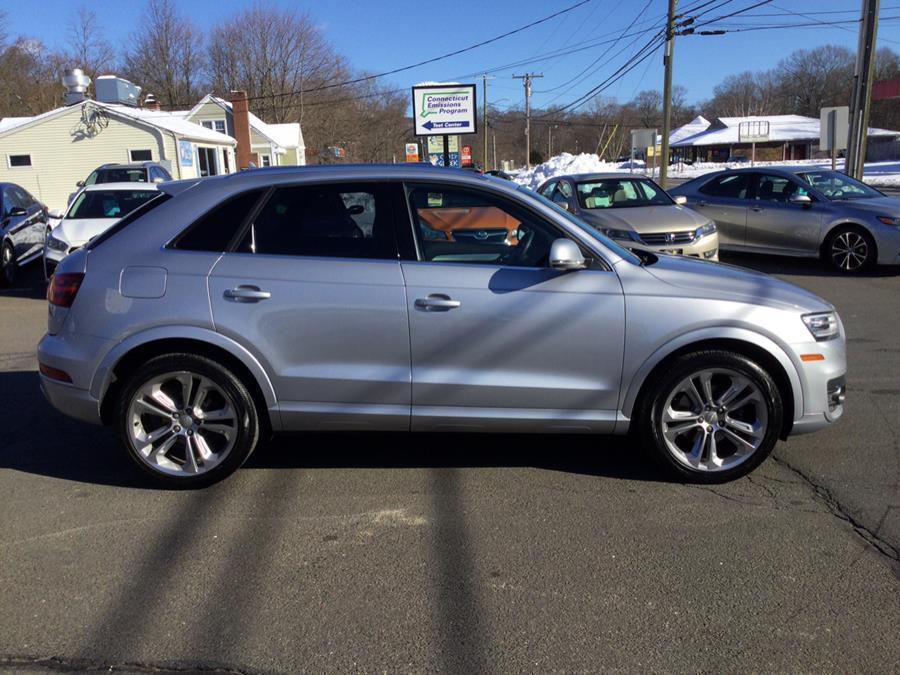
column 335, row 221
column 732, row 186
column 215, row 230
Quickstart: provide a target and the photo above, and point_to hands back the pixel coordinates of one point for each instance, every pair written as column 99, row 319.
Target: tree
column 648, row 106
column 29, row 78
column 743, row 95
column 89, row 50
column 810, row 79
column 167, row 55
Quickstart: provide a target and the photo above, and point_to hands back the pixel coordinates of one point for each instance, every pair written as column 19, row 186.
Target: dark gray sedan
column 23, row 224
column 799, row 211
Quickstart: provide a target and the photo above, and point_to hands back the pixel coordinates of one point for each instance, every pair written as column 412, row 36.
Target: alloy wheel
column 182, row 423
column 849, row 251
column 714, row 420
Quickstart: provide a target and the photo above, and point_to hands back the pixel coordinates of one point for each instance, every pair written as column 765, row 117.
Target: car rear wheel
column 711, row 416
column 850, row 250
column 7, row 264
column 186, row 421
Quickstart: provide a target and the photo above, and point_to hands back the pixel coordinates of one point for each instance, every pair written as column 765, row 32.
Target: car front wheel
column 711, row 416
column 186, row 421
column 850, row 250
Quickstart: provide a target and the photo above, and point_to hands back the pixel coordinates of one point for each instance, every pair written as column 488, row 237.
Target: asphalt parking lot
column 457, row 554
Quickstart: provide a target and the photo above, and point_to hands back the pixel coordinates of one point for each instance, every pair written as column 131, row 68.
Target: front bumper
column 705, row 248
column 824, row 385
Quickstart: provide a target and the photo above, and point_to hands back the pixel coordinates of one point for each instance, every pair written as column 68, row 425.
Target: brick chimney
column 240, row 110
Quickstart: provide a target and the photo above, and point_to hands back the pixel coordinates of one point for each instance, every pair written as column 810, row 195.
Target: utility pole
column 668, row 57
column 527, row 78
column 484, row 163
column 861, row 97
column 550, row 128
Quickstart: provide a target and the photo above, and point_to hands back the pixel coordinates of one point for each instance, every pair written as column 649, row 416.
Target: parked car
column 497, row 173
column 800, row 211
column 96, row 208
column 634, row 211
column 316, row 298
column 139, row 172
column 23, row 221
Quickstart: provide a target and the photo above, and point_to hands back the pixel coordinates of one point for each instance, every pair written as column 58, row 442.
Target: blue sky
column 382, row 35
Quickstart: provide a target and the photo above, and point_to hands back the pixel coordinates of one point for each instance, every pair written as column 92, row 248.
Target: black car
column 23, row 228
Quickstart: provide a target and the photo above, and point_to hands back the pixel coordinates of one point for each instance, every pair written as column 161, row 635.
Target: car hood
column 77, row 232
column 645, row 219
column 720, row 281
column 885, row 206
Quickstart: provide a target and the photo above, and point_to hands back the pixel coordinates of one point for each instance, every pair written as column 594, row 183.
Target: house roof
column 157, row 118
column 288, row 135
column 725, row 130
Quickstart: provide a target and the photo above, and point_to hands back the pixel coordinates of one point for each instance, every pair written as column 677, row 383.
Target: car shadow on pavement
column 39, row 440
column 805, row 267
column 29, row 283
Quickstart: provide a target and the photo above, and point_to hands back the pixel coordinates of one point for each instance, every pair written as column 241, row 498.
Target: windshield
column 583, row 226
column 836, row 185
column 108, row 203
column 138, row 175
column 620, row 193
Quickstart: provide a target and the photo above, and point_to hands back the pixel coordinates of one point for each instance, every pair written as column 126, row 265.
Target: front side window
column 547, row 190
column 618, row 193
column 836, row 185
column 466, row 226
column 730, row 186
column 772, row 188
column 108, row 203
column 335, row 221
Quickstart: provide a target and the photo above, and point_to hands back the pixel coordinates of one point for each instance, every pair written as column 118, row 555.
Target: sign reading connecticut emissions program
column 444, row 109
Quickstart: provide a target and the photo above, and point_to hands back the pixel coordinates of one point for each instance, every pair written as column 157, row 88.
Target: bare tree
column 29, row 78
column 89, row 49
column 167, row 55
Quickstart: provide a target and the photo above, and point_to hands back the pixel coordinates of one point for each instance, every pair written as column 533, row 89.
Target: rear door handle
column 437, row 302
column 247, row 294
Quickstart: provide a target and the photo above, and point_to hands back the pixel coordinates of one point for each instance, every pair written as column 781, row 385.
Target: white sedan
column 94, row 210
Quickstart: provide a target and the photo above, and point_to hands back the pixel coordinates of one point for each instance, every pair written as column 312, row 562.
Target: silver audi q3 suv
column 409, row 298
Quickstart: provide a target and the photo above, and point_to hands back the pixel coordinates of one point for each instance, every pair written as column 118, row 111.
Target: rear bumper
column 71, row 401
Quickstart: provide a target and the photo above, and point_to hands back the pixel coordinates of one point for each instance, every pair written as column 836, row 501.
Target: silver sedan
column 800, row 211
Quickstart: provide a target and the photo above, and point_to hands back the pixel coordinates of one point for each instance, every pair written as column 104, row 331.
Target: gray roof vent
column 76, row 84
column 112, row 89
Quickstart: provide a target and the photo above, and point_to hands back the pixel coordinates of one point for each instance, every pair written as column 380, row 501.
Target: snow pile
column 876, row 173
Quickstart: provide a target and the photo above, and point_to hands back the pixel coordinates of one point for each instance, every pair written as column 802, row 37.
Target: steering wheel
column 520, row 251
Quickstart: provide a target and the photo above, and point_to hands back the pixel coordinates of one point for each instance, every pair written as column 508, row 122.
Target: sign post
column 834, row 127
column 442, row 109
column 753, row 132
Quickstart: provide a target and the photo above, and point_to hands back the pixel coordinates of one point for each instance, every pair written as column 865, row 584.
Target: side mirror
column 16, row 211
column 56, row 214
column 79, row 184
column 681, row 200
column 797, row 198
column 566, row 255
column 159, row 179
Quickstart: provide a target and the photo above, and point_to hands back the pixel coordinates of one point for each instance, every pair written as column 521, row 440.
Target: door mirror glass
column 16, row 211
column 797, row 198
column 566, row 255
column 681, row 200
column 55, row 213
column 79, row 183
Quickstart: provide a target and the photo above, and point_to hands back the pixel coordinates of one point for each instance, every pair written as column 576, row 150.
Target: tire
column 8, row 265
column 178, row 402
column 850, row 250
column 744, row 421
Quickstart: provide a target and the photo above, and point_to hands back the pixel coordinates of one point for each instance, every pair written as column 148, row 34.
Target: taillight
column 63, row 289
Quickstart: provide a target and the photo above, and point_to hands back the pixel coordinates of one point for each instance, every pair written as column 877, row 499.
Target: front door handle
column 757, row 208
column 437, row 302
column 703, row 203
column 247, row 294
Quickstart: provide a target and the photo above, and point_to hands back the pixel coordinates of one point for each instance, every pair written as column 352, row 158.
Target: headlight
column 888, row 220
column 704, row 230
column 57, row 244
column 822, row 325
column 620, row 234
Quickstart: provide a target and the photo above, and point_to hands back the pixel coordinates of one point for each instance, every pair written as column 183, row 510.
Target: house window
column 265, row 160
column 18, row 160
column 140, row 155
column 215, row 125
column 206, row 159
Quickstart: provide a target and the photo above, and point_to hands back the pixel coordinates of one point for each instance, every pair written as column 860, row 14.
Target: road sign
column 465, row 155
column 436, row 144
column 444, row 109
column 834, row 123
column 641, row 139
column 754, row 131
column 412, row 152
